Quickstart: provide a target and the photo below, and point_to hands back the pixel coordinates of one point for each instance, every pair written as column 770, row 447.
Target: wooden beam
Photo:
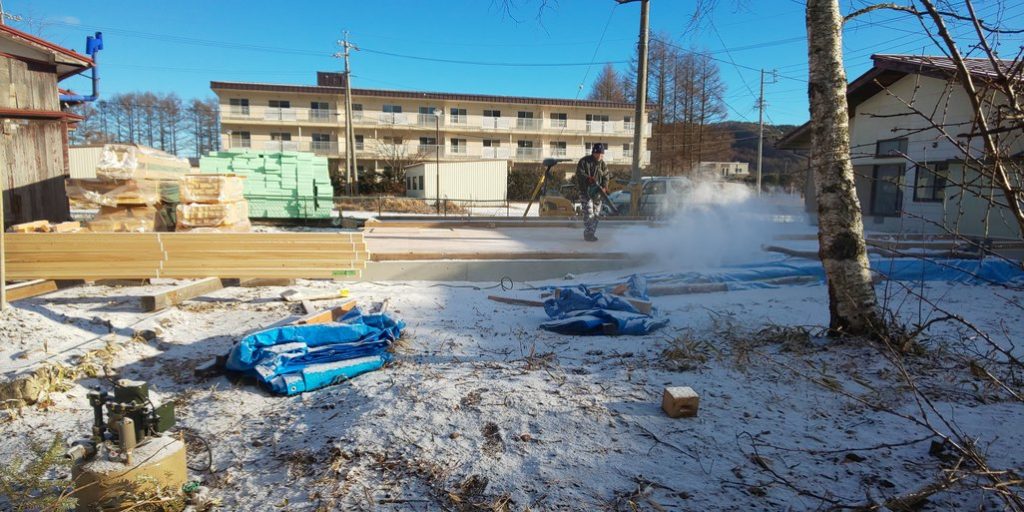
column 516, row 302
column 30, row 289
column 181, row 293
column 327, row 315
column 257, row 282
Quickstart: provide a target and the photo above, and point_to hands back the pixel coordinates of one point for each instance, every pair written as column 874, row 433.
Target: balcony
column 429, row 150
column 605, row 127
column 525, row 123
column 460, row 150
column 495, row 123
column 318, row 115
column 528, row 153
column 558, row 152
column 280, row 114
column 237, row 112
column 429, row 120
column 280, row 145
column 323, row 147
column 498, row 153
column 393, row 118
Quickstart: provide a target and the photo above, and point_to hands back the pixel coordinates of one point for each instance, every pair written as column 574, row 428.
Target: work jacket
column 590, row 167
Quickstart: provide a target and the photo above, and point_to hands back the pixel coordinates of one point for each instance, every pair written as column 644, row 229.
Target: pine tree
column 608, row 86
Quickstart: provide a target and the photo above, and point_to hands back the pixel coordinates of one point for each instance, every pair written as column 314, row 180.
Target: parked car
column 661, row 196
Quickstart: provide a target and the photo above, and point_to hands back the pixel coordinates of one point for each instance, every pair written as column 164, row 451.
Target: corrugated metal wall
column 82, row 161
column 481, row 182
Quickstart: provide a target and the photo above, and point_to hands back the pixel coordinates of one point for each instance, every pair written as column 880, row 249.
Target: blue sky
column 180, row 46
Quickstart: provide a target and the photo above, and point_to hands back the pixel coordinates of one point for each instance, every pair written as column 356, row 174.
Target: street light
column 437, row 159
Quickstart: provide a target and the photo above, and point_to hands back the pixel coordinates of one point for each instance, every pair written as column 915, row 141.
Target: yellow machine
column 129, row 450
column 551, row 205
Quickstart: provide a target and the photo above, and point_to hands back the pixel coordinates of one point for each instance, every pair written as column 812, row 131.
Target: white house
column 910, row 177
column 481, row 183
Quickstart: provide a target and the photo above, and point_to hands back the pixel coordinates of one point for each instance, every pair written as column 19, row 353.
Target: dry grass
column 397, row 205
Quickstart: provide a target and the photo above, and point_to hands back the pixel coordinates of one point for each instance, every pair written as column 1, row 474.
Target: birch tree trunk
column 852, row 304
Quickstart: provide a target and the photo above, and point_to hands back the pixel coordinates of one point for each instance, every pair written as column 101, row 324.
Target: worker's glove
column 605, row 190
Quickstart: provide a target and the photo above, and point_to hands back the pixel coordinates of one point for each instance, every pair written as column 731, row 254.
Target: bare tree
column 853, row 308
column 608, row 86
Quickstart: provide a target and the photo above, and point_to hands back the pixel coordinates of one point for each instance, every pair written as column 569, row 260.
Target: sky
column 466, row 46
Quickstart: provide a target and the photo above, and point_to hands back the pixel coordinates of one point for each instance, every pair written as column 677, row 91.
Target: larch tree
column 608, row 86
column 853, row 307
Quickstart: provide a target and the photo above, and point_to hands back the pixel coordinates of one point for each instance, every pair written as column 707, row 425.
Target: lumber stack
column 93, row 256
column 132, row 185
column 211, row 203
column 278, row 185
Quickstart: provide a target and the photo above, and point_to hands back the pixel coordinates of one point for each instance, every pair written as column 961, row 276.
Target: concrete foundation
column 486, row 270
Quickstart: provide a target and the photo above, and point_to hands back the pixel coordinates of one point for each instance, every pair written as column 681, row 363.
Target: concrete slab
column 491, row 271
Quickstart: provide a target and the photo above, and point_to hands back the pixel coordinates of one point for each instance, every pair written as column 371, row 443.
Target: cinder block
column 680, row 402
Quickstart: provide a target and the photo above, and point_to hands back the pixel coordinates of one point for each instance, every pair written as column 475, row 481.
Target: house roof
column 888, row 69
column 386, row 93
column 22, row 45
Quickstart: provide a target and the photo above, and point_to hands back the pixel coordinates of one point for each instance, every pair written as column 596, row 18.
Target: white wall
column 482, row 182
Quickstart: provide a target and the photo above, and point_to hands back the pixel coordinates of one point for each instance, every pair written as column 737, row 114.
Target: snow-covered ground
column 481, row 407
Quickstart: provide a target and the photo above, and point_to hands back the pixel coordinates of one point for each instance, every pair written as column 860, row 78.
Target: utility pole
column 640, row 119
column 760, row 127
column 351, row 174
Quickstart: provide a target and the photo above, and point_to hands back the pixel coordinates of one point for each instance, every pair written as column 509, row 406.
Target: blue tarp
column 581, row 311
column 297, row 358
column 753, row 275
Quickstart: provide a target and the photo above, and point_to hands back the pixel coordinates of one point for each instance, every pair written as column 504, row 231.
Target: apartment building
column 401, row 128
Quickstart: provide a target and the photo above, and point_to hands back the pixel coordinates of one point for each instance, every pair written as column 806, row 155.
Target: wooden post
column 3, row 256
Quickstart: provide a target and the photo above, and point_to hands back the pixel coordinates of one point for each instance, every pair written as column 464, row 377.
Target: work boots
column 590, row 237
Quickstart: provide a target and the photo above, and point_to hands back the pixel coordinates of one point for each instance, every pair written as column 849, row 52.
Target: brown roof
column 68, row 62
column 385, row 93
column 888, row 69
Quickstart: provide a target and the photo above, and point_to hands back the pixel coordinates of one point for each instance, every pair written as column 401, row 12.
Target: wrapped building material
column 278, row 185
column 194, row 215
column 132, row 162
column 210, row 188
column 114, row 193
column 127, row 219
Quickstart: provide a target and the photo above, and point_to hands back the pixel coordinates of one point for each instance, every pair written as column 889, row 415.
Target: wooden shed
column 33, row 127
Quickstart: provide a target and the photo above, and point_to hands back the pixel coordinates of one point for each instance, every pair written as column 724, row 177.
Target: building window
column 886, row 196
column 458, row 146
column 241, row 140
column 392, row 109
column 279, row 104
column 458, row 116
column 597, row 117
column 319, row 110
column 357, row 111
column 492, row 113
column 428, row 141
column 891, row 148
column 930, row 182
column 525, row 143
column 239, row 106
column 492, row 143
column 526, row 121
column 280, row 136
column 428, row 110
column 419, row 186
column 359, row 143
column 321, row 142
column 558, row 148
column 559, row 120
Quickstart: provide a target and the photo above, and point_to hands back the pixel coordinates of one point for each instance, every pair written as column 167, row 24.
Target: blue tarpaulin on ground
column 581, row 311
column 297, row 358
column 754, row 275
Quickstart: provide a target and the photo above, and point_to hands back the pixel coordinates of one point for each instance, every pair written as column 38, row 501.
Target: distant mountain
column 775, row 161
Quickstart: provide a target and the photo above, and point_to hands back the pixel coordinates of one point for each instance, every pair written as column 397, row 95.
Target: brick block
column 680, row 402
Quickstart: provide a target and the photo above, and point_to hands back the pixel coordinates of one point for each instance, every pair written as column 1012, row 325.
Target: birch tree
column 853, row 307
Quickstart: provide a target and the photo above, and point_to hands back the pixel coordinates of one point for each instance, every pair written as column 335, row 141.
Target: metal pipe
column 93, row 44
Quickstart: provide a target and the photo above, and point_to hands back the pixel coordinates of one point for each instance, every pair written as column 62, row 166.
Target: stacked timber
column 211, row 203
column 92, row 256
column 45, row 226
column 278, row 185
column 132, row 190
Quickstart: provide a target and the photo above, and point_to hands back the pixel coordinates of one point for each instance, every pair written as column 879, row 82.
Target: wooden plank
column 179, row 294
column 256, row 282
column 327, row 315
column 30, row 289
column 516, row 302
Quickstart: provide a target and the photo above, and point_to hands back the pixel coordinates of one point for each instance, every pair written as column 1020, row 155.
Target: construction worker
column 592, row 180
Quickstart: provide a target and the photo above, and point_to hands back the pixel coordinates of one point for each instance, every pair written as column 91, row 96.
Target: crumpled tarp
column 578, row 310
column 298, row 358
